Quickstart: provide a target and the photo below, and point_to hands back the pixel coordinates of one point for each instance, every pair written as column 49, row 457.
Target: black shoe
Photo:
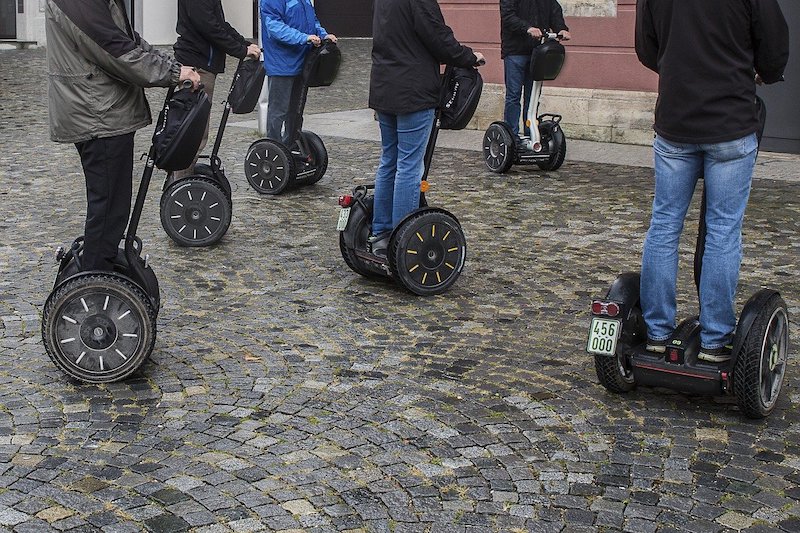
column 378, row 244
column 716, row 355
column 656, row 346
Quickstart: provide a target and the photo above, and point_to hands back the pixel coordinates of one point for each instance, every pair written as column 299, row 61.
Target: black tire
column 269, row 167
column 98, row 328
column 357, row 232
column 761, row 362
column 553, row 135
column 499, row 147
column 427, row 252
column 319, row 156
column 614, row 373
column 195, row 211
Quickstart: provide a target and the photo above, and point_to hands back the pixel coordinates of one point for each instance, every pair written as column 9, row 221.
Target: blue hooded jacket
column 285, row 27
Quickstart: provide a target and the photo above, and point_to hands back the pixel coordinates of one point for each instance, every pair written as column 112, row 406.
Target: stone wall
column 591, row 114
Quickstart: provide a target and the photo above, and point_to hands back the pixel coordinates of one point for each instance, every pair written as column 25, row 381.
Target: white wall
column 30, row 25
column 159, row 18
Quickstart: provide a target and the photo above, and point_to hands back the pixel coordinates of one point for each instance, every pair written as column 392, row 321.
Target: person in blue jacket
column 289, row 28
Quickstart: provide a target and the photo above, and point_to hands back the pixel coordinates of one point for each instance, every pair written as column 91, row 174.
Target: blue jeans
column 284, row 93
column 517, row 76
column 727, row 169
column 397, row 181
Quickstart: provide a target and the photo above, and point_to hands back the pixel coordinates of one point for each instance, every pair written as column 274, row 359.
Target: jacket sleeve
column 322, row 32
column 214, row 29
column 438, row 37
column 646, row 38
column 106, row 45
column 557, row 22
column 508, row 14
column 770, row 35
column 272, row 15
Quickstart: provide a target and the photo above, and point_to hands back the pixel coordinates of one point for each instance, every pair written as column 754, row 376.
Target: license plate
column 344, row 216
column 603, row 335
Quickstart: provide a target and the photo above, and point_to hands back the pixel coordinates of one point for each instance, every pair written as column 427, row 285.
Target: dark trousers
column 283, row 100
column 108, row 168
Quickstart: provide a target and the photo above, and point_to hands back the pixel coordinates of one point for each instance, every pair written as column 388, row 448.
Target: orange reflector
column 528, row 123
column 424, row 186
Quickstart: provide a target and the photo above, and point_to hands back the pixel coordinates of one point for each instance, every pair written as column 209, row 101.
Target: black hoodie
column 706, row 53
column 204, row 37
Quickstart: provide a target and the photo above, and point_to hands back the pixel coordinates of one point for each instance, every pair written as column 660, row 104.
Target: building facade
column 603, row 93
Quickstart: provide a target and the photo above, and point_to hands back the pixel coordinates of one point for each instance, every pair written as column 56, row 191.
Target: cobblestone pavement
column 287, row 393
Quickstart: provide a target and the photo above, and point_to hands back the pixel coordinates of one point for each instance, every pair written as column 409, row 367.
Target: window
column 20, row 6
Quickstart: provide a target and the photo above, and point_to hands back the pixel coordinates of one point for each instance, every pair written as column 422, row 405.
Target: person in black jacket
column 410, row 42
column 521, row 25
column 204, row 39
column 706, row 122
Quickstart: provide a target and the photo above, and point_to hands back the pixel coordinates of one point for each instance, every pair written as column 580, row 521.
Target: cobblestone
column 287, row 393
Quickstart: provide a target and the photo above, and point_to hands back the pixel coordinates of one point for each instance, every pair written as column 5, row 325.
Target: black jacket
column 516, row 16
column 706, row 53
column 204, row 37
column 410, row 42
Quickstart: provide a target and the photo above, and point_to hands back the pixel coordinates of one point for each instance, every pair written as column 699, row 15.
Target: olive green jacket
column 97, row 68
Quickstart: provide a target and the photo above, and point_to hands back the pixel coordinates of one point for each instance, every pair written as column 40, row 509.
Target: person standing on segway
column 97, row 68
column 204, row 39
column 288, row 30
column 410, row 42
column 706, row 121
column 521, row 25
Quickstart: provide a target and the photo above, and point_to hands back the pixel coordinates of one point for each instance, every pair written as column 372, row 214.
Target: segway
column 272, row 167
column 196, row 210
column 753, row 375
column 99, row 326
column 427, row 249
column 547, row 145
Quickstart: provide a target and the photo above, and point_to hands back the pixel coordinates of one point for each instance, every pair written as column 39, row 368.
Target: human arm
column 646, row 39
column 272, row 15
column 511, row 21
column 557, row 23
column 212, row 26
column 437, row 36
column 101, row 42
column 770, row 36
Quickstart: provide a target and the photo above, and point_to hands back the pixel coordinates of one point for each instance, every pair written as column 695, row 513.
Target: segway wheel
column 269, row 167
column 761, row 363
column 427, row 252
column 499, row 147
column 99, row 328
column 559, row 152
column 319, row 156
column 195, row 211
column 357, row 232
column 614, row 373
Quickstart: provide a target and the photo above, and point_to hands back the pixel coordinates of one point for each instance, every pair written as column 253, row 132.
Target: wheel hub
column 195, row 214
column 266, row 168
column 98, row 332
column 432, row 256
column 494, row 148
column 773, row 357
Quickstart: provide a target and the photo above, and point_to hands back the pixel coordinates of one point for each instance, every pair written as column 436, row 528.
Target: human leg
column 728, row 175
column 677, row 168
column 108, row 169
column 280, row 93
column 385, row 175
column 294, row 120
column 413, row 132
column 207, row 79
column 514, row 68
column 527, row 86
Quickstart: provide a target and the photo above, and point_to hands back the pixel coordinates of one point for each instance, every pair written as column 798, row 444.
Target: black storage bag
column 460, row 98
column 180, row 128
column 322, row 64
column 547, row 60
column 247, row 82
